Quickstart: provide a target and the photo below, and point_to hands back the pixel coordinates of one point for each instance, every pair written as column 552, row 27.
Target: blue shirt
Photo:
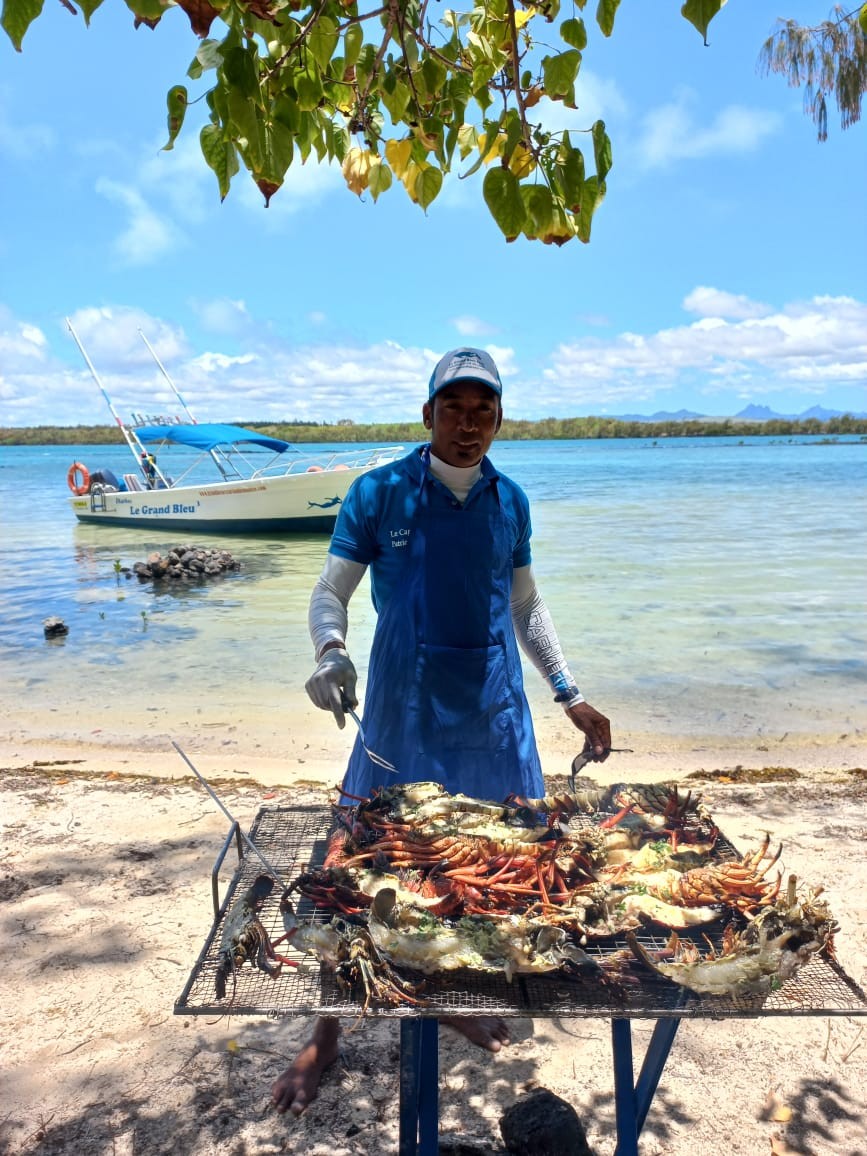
column 375, row 519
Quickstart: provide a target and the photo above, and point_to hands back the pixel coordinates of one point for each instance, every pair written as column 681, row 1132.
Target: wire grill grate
column 295, row 838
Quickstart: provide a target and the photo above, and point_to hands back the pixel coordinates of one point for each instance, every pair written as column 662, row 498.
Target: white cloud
column 23, row 142
column 708, row 302
column 816, row 344
column 20, row 342
column 179, row 180
column 147, row 234
column 673, row 132
column 597, row 98
column 214, row 362
column 110, row 334
column 222, row 315
column 305, row 185
column 803, row 349
column 469, row 326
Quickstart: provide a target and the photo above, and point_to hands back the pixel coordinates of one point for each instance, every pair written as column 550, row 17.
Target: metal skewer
column 227, row 813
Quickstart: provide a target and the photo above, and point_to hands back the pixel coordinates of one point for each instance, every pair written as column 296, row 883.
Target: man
column 447, row 540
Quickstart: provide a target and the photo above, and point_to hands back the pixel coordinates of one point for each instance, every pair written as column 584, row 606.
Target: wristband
column 333, row 644
column 571, row 696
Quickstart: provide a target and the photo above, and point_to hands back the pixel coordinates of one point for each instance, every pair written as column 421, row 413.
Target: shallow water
column 699, row 586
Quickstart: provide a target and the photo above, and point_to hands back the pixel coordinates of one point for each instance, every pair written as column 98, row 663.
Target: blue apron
column 444, row 699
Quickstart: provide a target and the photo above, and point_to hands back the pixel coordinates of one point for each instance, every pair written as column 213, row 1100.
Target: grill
column 295, row 838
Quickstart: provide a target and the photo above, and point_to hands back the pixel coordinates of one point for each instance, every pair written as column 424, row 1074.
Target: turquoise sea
column 699, row 586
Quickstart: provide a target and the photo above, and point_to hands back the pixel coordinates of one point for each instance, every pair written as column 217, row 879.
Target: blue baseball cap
column 465, row 364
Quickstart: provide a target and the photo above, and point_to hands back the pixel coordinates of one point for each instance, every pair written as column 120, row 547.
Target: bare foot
column 489, row 1032
column 299, row 1084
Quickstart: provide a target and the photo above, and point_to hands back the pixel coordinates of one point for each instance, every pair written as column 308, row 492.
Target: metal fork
column 372, row 755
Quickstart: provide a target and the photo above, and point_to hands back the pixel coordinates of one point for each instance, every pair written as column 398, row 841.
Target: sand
column 105, row 903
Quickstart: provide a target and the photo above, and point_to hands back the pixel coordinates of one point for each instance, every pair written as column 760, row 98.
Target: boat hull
column 305, row 503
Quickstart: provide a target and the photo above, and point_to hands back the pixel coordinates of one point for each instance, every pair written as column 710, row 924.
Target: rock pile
column 185, row 564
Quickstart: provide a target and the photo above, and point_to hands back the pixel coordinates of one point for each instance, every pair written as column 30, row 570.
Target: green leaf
column 287, row 112
column 279, row 150
column 539, row 205
column 700, row 13
column 220, row 156
column 605, row 14
column 574, row 33
column 353, row 38
column 176, row 100
column 242, row 117
column 559, row 73
column 862, row 19
column 208, row 55
column 502, row 193
column 309, row 90
column 146, row 9
column 601, row 150
column 434, row 73
column 364, row 65
column 570, row 171
column 16, row 18
column 322, row 41
column 395, row 95
column 380, row 178
column 240, row 69
column 591, row 198
column 427, row 185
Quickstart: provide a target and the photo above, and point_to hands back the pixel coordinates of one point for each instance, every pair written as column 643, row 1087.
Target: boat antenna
column 95, row 376
column 164, row 372
column 227, row 813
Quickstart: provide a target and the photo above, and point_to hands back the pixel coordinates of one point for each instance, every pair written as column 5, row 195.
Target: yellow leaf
column 774, row 1109
column 398, row 153
column 522, row 16
column 467, row 140
column 356, row 169
column 495, row 150
column 409, row 178
column 232, row 1046
column 522, row 161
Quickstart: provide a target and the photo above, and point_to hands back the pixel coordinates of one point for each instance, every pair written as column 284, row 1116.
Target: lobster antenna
column 227, row 813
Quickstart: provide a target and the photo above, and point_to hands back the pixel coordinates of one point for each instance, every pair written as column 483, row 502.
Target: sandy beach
column 105, row 904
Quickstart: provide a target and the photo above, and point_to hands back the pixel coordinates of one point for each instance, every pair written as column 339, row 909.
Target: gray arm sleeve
column 328, row 617
column 536, row 635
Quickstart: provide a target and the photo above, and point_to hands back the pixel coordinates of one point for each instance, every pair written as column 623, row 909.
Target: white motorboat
column 213, row 477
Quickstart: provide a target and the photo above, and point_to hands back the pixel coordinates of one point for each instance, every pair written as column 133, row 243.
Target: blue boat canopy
column 207, row 436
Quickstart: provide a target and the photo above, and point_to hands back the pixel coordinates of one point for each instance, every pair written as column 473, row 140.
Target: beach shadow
column 816, row 1106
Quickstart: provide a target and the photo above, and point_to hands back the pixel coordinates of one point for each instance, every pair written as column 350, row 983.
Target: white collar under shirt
column 459, row 479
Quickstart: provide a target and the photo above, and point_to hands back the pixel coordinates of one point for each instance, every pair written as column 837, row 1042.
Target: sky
column 727, row 265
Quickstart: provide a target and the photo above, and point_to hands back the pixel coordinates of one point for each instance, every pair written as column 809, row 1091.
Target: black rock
column 541, row 1124
column 54, row 627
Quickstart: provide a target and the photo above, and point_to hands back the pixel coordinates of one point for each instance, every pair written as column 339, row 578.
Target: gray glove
column 333, row 682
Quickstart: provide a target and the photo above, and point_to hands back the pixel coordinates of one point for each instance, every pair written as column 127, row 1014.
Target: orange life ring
column 72, row 478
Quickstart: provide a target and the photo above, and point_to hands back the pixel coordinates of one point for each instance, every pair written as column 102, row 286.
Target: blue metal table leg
column 633, row 1103
column 624, row 1089
column 428, row 1089
column 410, row 1052
column 664, row 1032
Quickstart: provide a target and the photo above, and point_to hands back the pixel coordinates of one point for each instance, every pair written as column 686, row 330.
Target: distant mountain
column 764, row 413
column 749, row 413
column 661, row 415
